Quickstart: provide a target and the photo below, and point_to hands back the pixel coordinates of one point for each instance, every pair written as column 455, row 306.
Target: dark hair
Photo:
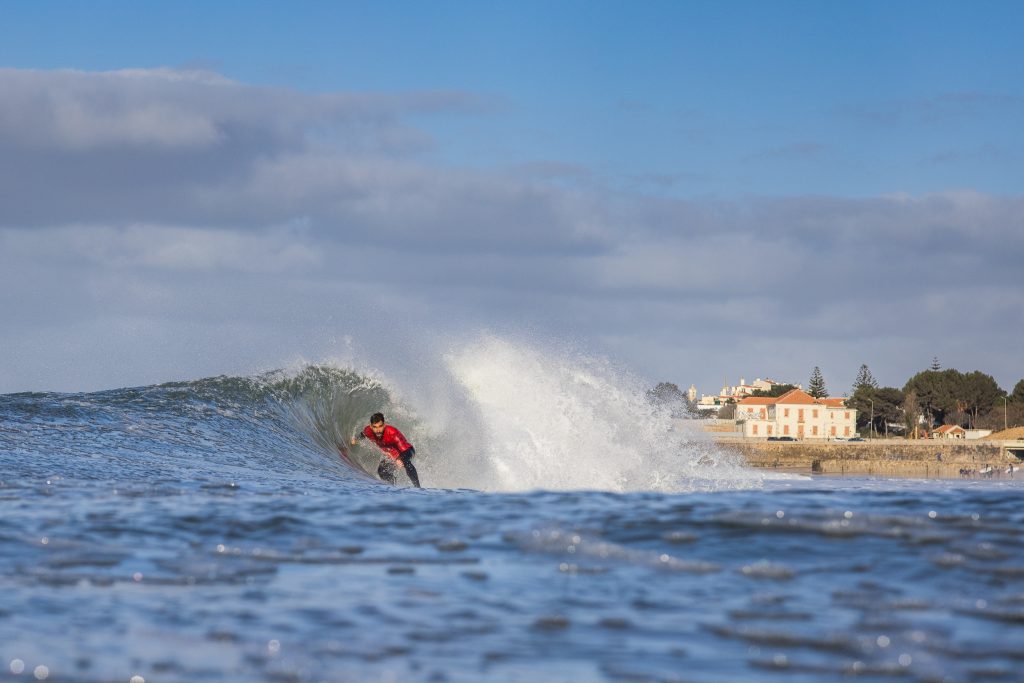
column 376, row 417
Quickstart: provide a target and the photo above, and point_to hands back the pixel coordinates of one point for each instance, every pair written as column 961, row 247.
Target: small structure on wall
column 949, row 432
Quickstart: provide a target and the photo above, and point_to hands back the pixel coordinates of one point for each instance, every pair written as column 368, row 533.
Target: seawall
column 885, row 457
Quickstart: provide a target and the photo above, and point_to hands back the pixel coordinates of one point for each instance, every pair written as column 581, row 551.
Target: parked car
column 855, row 438
column 782, row 438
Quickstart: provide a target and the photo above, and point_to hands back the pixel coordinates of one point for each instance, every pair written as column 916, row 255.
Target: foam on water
column 551, row 419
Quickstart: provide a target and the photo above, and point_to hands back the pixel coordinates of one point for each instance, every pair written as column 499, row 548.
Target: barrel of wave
column 328, row 405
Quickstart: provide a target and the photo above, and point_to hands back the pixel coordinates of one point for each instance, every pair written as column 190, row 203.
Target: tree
column 936, row 392
column 978, row 393
column 775, row 391
column 665, row 392
column 816, row 387
column 889, row 403
column 864, row 379
column 911, row 411
column 950, row 396
column 670, row 396
column 884, row 405
column 861, row 402
column 935, row 364
column 1018, row 392
column 1011, row 415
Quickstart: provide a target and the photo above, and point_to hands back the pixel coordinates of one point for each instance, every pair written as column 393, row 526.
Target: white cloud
column 76, row 110
column 176, row 199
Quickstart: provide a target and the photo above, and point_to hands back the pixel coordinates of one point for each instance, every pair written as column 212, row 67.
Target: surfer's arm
column 358, row 437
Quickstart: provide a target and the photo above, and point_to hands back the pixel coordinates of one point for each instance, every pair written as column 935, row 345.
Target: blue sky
column 644, row 176
column 708, row 98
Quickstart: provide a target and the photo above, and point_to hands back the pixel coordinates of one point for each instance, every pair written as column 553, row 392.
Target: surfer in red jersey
column 396, row 449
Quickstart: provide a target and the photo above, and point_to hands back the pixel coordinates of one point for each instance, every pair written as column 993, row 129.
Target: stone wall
column 892, row 457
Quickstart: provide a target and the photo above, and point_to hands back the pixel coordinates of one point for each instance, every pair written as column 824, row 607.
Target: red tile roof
column 794, row 397
column 945, row 429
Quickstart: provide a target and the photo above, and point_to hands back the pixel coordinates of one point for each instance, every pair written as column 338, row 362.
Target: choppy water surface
column 206, row 531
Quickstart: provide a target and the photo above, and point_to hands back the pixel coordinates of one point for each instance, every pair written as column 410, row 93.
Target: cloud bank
column 188, row 224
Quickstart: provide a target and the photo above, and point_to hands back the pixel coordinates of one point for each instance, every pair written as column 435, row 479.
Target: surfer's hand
column 400, row 463
column 353, row 441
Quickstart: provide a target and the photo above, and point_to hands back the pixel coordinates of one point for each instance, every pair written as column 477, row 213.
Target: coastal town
column 794, row 414
column 909, row 432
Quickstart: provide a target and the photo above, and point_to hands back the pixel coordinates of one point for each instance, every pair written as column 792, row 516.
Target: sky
column 699, row 191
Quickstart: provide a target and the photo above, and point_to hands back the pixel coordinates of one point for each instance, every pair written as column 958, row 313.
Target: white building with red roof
column 949, row 432
column 796, row 414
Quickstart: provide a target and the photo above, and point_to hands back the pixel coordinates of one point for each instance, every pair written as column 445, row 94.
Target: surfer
column 396, row 449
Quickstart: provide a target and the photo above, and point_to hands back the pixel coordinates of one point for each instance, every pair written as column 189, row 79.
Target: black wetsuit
column 386, row 468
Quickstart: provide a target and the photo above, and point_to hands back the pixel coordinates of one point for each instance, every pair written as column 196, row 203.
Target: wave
column 491, row 414
column 555, row 419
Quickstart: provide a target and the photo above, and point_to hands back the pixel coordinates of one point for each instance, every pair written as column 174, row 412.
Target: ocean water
column 210, row 531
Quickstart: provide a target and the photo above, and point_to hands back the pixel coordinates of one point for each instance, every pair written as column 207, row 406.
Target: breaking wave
column 490, row 415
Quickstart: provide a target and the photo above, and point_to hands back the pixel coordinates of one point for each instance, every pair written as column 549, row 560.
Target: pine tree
column 816, row 387
column 864, row 379
column 935, row 364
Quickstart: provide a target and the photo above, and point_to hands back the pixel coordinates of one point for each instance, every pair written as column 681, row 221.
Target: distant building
column 712, row 402
column 796, row 414
column 949, row 432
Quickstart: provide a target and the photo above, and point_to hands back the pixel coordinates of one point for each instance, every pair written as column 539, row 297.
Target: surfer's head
column 377, row 423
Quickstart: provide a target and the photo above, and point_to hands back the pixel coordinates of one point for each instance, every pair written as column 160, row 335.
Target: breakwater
column 884, row 457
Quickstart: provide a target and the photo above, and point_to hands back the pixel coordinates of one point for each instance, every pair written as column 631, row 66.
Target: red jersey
column 391, row 441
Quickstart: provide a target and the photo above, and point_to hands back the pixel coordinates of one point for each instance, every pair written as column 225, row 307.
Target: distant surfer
column 396, row 448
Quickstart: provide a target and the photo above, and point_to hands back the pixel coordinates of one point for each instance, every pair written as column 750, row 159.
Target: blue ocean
column 568, row 530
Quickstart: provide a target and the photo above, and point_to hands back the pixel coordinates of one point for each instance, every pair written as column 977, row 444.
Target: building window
column 755, row 429
column 846, row 415
column 769, row 430
column 800, row 415
column 814, row 413
column 785, row 412
column 763, row 415
column 785, row 429
column 833, row 430
column 814, row 430
column 846, row 431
